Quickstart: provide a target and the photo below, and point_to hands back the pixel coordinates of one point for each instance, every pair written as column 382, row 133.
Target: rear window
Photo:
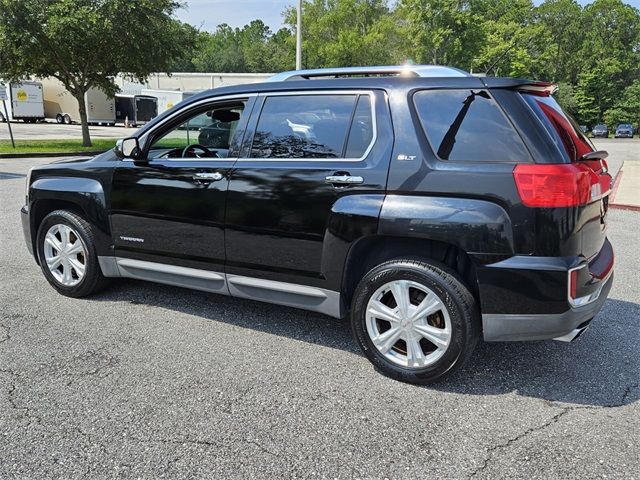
column 561, row 126
column 314, row 126
column 468, row 125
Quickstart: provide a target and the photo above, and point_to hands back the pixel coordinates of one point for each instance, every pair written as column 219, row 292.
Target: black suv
column 432, row 207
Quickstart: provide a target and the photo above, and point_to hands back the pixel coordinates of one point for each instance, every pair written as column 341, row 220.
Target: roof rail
column 376, row 71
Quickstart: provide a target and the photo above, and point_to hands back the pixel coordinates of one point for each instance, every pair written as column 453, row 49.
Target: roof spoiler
column 542, row 89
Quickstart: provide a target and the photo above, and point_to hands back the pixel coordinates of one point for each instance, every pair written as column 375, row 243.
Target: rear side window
column 313, row 126
column 561, row 126
column 468, row 125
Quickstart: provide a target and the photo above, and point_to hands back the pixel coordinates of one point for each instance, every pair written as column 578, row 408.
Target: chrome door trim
column 288, row 93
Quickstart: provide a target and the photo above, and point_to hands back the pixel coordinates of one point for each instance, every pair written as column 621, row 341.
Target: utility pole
column 299, row 37
column 4, row 97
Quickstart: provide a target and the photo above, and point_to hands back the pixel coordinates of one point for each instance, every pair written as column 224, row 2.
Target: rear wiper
column 444, row 150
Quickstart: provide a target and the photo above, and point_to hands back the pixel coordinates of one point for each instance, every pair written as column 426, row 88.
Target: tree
column 562, row 21
column 610, row 57
column 344, row 32
column 439, row 31
column 86, row 43
column 627, row 108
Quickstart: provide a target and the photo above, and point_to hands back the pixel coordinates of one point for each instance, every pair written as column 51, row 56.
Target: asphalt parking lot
column 149, row 381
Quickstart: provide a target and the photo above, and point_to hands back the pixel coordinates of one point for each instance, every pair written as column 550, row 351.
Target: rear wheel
column 59, row 118
column 67, row 252
column 67, row 119
column 415, row 321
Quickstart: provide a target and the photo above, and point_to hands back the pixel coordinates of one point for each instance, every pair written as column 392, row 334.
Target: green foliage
column 253, row 48
column 339, row 32
column 56, row 146
column 627, row 108
column 85, row 43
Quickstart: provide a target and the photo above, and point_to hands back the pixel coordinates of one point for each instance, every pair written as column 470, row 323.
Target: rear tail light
column 559, row 185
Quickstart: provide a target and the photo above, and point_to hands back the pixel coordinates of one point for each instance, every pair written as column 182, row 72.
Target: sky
column 207, row 14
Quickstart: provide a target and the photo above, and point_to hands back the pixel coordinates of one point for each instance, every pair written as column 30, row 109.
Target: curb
column 614, row 191
column 45, row 154
column 622, row 206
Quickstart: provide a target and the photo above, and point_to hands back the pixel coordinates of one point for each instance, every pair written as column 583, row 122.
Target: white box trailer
column 24, row 101
column 136, row 110
column 60, row 105
column 166, row 98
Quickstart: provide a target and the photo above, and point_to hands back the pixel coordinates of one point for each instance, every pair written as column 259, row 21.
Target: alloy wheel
column 408, row 323
column 65, row 255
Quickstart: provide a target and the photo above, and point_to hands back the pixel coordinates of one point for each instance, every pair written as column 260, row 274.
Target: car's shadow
column 601, row 368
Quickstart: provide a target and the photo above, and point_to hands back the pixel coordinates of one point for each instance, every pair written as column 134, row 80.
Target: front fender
column 83, row 194
column 474, row 226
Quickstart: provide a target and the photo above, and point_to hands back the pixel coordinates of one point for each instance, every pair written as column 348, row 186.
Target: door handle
column 208, row 177
column 343, row 180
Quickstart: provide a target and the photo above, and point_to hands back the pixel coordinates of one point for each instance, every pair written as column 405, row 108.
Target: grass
column 56, row 146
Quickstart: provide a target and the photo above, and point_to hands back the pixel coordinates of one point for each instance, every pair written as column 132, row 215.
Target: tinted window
column 561, row 126
column 361, row 132
column 468, row 125
column 303, row 126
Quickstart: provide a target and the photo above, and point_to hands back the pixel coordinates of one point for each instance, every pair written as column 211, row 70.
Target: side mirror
column 128, row 148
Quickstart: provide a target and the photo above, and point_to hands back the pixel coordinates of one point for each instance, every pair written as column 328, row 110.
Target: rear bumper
column 539, row 298
column 560, row 326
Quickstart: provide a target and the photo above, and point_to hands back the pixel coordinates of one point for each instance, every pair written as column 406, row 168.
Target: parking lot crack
column 491, row 452
column 626, row 393
column 27, row 411
column 262, row 448
column 6, row 334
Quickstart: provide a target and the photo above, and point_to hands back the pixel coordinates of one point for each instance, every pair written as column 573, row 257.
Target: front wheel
column 67, row 251
column 415, row 321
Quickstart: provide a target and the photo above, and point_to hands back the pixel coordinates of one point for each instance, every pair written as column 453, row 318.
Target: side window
column 468, row 125
column 361, row 132
column 313, row 126
column 212, row 128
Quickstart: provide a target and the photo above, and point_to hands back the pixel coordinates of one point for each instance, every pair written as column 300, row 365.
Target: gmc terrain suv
column 432, row 207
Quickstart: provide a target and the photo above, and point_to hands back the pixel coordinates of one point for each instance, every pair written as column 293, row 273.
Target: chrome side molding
column 260, row 289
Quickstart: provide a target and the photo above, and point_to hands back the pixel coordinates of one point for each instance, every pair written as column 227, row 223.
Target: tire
column 67, row 119
column 2, row 119
column 59, row 119
column 454, row 324
column 77, row 285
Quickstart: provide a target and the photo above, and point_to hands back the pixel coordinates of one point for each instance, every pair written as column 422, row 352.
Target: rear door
column 308, row 150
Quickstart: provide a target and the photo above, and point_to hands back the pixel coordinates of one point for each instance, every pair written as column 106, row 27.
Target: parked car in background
column 600, row 130
column 430, row 207
column 584, row 129
column 624, row 130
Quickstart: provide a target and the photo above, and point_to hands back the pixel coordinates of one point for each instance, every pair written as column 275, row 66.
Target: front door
column 167, row 212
